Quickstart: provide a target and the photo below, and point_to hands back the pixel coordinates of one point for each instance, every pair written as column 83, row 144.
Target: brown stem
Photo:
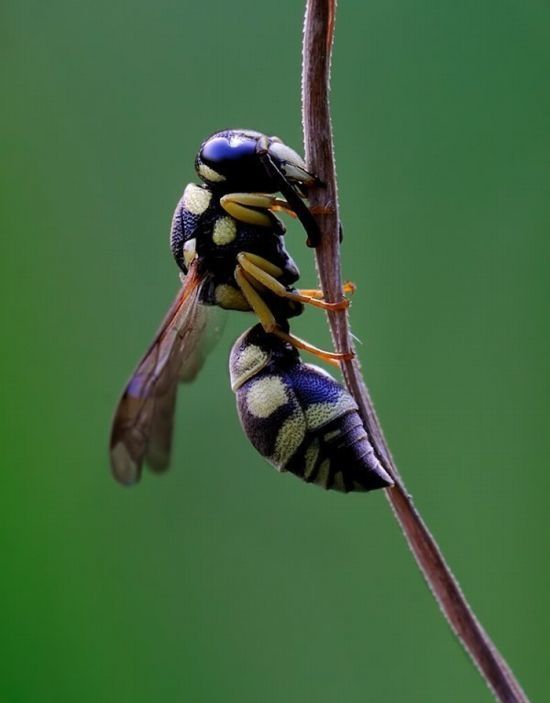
column 317, row 49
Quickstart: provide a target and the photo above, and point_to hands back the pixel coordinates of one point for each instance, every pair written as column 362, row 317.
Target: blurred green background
column 224, row 581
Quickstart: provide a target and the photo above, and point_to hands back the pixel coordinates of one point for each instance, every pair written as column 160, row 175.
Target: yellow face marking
column 287, row 155
column 196, row 199
column 210, row 175
column 289, row 438
column 250, row 360
column 225, row 231
column 311, row 455
column 265, row 396
column 319, row 414
column 322, row 476
column 230, row 298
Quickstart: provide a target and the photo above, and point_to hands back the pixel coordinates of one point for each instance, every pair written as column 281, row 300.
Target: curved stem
column 317, row 49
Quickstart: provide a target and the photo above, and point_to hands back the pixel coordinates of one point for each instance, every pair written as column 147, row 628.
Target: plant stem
column 317, row 49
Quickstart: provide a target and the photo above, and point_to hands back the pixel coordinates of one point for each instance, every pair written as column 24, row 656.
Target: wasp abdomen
column 299, row 418
column 339, row 456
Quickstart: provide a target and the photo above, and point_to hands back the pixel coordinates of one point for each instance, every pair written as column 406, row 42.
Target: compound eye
column 221, row 150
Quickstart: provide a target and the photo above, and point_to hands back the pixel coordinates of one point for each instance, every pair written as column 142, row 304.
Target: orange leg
column 348, row 288
column 256, row 267
column 269, row 323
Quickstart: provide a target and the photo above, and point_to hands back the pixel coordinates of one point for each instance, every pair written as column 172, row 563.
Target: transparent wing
column 210, row 320
column 206, row 328
column 143, row 420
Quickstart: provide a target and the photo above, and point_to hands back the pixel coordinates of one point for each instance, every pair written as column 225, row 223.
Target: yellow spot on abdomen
column 289, row 438
column 248, row 363
column 338, row 481
column 196, row 199
column 311, row 456
column 225, row 231
column 319, row 414
column 265, row 396
column 324, row 472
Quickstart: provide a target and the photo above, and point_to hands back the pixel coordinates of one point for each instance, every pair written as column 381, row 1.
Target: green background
column 225, row 581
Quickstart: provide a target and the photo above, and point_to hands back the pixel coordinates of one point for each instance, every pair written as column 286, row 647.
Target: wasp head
column 241, row 160
column 244, row 160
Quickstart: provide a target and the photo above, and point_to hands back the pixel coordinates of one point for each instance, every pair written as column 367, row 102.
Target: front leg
column 252, row 207
column 292, row 187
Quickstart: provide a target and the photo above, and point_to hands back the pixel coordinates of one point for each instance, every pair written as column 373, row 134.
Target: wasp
column 299, row 418
column 229, row 244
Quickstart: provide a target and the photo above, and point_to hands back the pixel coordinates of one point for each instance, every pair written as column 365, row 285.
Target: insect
column 230, row 248
column 299, row 418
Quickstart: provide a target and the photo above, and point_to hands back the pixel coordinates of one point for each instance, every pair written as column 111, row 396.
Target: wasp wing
column 143, row 420
column 209, row 325
column 203, row 332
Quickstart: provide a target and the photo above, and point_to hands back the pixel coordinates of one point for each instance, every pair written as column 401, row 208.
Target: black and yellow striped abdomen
column 299, row 418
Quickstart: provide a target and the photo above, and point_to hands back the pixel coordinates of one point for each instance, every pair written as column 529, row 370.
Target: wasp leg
column 261, row 271
column 250, row 207
column 321, row 210
column 333, row 358
column 348, row 288
column 270, row 325
column 292, row 194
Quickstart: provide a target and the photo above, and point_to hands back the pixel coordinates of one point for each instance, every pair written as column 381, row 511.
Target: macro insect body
column 299, row 417
column 230, row 248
